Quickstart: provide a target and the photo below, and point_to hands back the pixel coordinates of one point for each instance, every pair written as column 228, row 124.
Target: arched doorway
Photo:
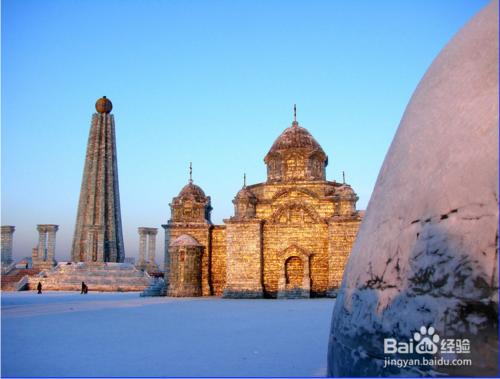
column 294, row 281
column 294, row 272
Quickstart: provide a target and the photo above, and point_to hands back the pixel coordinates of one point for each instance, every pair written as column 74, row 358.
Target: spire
column 244, row 180
column 295, row 123
column 99, row 204
column 190, row 172
column 343, row 177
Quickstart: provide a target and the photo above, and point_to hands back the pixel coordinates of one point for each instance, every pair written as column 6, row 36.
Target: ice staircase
column 110, row 277
column 157, row 288
column 11, row 279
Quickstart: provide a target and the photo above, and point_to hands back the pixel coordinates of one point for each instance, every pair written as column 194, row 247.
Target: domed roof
column 245, row 194
column 345, row 189
column 185, row 240
column 103, row 105
column 295, row 137
column 192, row 191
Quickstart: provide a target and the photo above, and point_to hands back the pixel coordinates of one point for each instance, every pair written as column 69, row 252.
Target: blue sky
column 212, row 82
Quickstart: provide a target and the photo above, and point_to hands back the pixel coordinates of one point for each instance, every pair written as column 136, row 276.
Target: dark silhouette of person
column 39, row 287
column 85, row 289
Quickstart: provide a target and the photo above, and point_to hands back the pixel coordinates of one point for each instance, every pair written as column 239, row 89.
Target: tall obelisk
column 98, row 233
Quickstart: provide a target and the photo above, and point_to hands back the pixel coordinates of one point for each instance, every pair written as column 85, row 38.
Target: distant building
column 7, row 243
column 289, row 237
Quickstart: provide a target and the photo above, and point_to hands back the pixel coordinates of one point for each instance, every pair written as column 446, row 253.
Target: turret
column 191, row 205
column 244, row 203
column 295, row 156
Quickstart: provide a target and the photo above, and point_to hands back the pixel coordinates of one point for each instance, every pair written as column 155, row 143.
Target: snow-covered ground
column 121, row 334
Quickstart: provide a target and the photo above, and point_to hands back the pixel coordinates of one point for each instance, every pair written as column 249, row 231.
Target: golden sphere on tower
column 103, row 105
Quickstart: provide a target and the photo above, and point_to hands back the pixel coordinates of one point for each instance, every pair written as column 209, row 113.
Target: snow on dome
column 295, row 137
column 192, row 191
column 345, row 189
column 185, row 240
column 245, row 194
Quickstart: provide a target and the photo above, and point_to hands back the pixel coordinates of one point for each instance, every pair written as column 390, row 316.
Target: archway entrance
column 294, row 272
column 295, row 279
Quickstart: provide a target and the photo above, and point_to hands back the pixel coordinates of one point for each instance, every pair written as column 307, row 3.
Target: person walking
column 39, row 287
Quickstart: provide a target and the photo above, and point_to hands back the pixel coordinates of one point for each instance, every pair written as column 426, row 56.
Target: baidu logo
column 427, row 341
